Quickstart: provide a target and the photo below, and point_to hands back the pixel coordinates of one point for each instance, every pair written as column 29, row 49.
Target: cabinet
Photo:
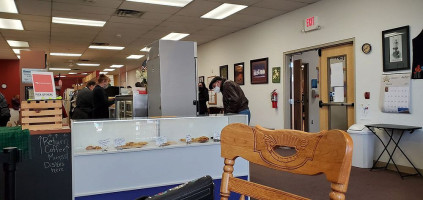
column 161, row 158
column 172, row 76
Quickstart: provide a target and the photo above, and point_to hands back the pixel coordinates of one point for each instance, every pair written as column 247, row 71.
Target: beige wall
column 362, row 20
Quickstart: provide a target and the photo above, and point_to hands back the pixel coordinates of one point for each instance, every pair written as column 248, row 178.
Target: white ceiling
column 132, row 33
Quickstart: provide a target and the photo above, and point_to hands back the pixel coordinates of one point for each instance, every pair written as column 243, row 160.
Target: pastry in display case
column 147, row 133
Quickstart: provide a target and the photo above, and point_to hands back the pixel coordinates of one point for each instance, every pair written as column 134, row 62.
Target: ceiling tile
column 34, row 7
column 280, row 4
column 134, row 21
column 36, row 25
column 78, row 8
column 261, row 12
column 101, row 3
column 145, row 7
column 242, row 2
column 79, row 15
column 198, row 8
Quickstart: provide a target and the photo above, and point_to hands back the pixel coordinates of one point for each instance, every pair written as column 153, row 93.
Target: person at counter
column 101, row 102
column 234, row 100
column 4, row 111
column 84, row 102
column 203, row 97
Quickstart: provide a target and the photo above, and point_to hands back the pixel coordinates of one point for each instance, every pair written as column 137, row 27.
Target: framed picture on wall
column 259, row 71
column 212, row 98
column 396, row 49
column 276, row 74
column 201, row 79
column 224, row 71
column 239, row 73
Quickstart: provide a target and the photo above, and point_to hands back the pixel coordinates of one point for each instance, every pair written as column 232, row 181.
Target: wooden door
column 331, row 60
column 300, row 91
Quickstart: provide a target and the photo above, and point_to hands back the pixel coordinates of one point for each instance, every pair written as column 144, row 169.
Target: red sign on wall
column 43, row 84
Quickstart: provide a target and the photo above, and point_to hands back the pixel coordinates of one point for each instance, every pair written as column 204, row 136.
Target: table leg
column 384, row 149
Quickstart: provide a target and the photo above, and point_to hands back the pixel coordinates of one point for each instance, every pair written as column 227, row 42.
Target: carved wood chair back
column 328, row 152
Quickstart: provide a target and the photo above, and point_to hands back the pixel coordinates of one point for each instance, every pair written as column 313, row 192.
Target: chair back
column 328, row 152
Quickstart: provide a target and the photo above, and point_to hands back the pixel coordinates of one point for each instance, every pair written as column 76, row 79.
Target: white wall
column 363, row 20
column 131, row 78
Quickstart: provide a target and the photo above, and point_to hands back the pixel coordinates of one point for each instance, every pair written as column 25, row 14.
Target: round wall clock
column 366, row 48
column 4, row 86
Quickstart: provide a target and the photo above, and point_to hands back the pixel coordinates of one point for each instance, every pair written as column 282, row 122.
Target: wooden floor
column 363, row 184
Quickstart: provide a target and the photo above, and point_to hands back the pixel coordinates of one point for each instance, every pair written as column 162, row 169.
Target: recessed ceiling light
column 104, row 72
column 19, row 57
column 134, row 56
column 59, row 69
column 14, row 43
column 18, row 51
column 177, row 3
column 106, row 47
column 15, row 24
column 71, row 73
column 82, row 22
column 223, row 11
column 84, row 73
column 65, row 54
column 116, row 66
column 88, row 64
column 174, row 36
column 8, row 6
column 108, row 70
column 146, row 49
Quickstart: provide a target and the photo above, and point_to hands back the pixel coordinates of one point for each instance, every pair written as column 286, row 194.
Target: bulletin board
column 396, row 93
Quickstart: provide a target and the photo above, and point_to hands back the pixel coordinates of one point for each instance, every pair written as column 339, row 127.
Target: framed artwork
column 259, row 71
column 396, row 49
column 239, row 73
column 201, row 79
column 212, row 98
column 276, row 74
column 224, row 71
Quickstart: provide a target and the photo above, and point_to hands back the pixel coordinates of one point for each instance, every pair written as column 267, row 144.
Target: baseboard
column 404, row 169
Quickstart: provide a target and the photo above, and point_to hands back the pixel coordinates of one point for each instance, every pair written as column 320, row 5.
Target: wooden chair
column 328, row 152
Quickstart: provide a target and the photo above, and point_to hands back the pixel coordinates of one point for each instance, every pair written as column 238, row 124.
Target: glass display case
column 146, row 133
column 142, row 153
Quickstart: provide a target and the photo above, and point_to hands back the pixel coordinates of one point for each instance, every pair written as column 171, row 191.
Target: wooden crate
column 41, row 115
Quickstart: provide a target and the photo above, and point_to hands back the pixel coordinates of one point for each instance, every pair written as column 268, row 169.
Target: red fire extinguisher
column 274, row 99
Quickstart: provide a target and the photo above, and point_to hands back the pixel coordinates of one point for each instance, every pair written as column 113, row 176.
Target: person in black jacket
column 84, row 102
column 203, row 97
column 4, row 111
column 100, row 98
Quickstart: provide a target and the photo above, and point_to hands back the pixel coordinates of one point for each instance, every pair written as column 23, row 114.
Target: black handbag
column 199, row 189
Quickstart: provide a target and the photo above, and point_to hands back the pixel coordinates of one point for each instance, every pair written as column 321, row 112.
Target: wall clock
column 366, row 48
column 4, row 86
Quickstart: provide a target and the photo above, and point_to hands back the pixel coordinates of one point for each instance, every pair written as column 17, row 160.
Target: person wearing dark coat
column 4, row 111
column 234, row 100
column 84, row 102
column 203, row 97
column 100, row 99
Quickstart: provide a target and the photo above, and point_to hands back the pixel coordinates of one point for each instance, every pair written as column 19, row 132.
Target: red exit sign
column 311, row 23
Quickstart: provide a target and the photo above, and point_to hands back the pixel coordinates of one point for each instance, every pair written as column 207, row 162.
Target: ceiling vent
column 84, row 60
column 129, row 13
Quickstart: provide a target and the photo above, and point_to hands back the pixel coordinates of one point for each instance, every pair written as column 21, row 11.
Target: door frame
column 287, row 72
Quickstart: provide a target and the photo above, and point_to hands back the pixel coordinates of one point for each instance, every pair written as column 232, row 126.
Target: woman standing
column 4, row 111
column 203, row 97
column 100, row 99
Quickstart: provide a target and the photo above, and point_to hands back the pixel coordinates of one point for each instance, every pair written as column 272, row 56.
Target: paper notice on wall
column 338, row 94
column 336, row 75
column 396, row 93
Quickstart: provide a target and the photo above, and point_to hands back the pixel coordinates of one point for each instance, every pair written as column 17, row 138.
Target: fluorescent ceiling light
column 65, row 54
column 104, row 72
column 59, row 69
column 134, row 56
column 18, row 51
column 174, row 36
column 82, row 22
column 106, row 47
column 8, row 6
column 176, row 3
column 14, row 43
column 116, row 66
column 88, row 64
column 223, row 11
column 19, row 57
column 146, row 49
column 71, row 73
column 108, row 70
column 84, row 73
column 11, row 24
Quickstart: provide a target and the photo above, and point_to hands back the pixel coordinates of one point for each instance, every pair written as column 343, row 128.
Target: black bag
column 199, row 189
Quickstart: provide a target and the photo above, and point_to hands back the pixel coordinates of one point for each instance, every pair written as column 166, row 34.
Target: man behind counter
column 100, row 99
column 84, row 102
column 234, row 100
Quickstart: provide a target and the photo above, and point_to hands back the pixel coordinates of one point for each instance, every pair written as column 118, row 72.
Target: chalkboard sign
column 48, row 174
